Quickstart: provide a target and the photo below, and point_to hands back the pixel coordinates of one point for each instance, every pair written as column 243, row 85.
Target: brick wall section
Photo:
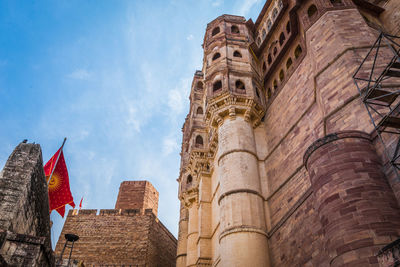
column 299, row 242
column 24, row 209
column 162, row 245
column 355, row 205
column 137, row 195
column 117, row 238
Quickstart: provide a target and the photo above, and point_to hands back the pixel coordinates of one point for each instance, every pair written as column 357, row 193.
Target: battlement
column 110, row 212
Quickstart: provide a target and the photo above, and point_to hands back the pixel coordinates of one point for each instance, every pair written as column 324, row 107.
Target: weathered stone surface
column 24, row 210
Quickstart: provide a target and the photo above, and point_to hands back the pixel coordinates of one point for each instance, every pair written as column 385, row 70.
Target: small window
column 282, row 38
column 199, row 140
column 235, row 29
column 264, row 67
column 269, row 59
column 264, row 34
column 298, row 51
column 199, row 86
column 257, row 93
column 288, row 27
column 289, row 63
column 189, row 179
column 269, row 93
column 275, row 51
column 199, row 111
column 217, row 85
column 215, row 31
column 312, row 11
column 269, row 25
column 336, row 2
column 258, row 41
column 281, row 75
column 274, row 13
column 216, row 55
column 237, row 54
column 240, row 85
column 275, row 84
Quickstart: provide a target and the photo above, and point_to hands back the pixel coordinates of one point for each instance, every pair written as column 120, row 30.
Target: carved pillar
column 243, row 239
column 193, row 234
column 182, row 237
column 355, row 205
column 205, row 232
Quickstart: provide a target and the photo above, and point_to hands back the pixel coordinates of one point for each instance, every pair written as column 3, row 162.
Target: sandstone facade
column 130, row 235
column 281, row 164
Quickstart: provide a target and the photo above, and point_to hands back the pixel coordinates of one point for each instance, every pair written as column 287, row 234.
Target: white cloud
column 170, row 144
column 246, row 6
column 217, row 3
column 177, row 97
column 190, row 37
column 80, row 74
column 132, row 118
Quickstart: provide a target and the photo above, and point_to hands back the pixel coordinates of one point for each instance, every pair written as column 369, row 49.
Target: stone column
column 353, row 200
column 193, row 234
column 182, row 237
column 204, row 242
column 243, row 240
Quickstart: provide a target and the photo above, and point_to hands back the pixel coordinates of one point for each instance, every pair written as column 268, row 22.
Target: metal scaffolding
column 378, row 82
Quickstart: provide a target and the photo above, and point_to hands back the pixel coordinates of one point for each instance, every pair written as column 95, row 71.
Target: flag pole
column 58, row 156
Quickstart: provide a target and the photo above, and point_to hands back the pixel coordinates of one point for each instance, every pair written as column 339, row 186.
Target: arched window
column 258, row 41
column 189, row 179
column 275, row 51
column 235, row 29
column 199, row 111
column 264, row 67
column 280, row 4
column 312, row 11
column 274, row 13
column 269, row 93
column 199, row 85
column 298, row 51
column 281, row 75
column 269, row 25
column 269, row 59
column 282, row 38
column 264, row 33
column 275, row 84
column 215, row 31
column 217, row 85
column 289, row 63
column 240, row 85
column 288, row 27
column 237, row 54
column 216, row 55
column 199, row 140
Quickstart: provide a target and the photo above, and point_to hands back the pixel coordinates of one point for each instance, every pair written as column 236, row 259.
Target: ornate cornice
column 231, row 105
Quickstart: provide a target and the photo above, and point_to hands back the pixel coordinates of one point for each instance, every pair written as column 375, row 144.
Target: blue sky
column 111, row 76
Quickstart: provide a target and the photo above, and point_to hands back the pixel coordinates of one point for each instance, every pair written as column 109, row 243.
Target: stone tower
column 137, row 195
column 129, row 235
column 280, row 164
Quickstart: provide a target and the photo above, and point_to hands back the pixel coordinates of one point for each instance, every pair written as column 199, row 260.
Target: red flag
column 80, row 204
column 59, row 191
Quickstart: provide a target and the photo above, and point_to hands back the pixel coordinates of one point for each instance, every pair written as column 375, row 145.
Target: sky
column 114, row 78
